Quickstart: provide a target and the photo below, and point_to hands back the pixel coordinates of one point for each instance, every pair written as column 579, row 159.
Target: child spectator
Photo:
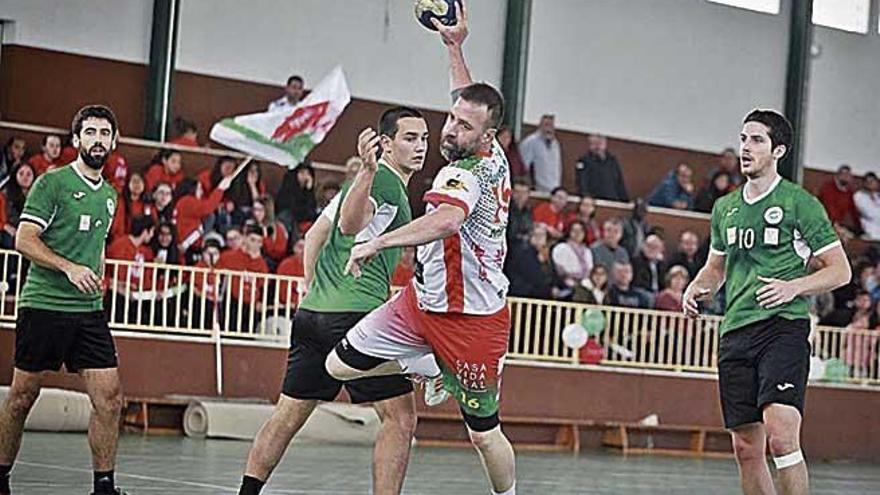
column 50, row 157
column 164, row 245
column 133, row 203
column 17, row 190
column 586, row 214
column 274, row 233
column 233, row 239
column 166, row 168
column 292, row 266
column 593, row 290
column 163, row 203
column 245, row 289
column 210, row 178
column 552, row 214
column 116, row 171
column 191, row 209
column 187, row 133
column 247, row 187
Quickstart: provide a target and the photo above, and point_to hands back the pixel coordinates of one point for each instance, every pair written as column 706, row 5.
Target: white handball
column 574, row 336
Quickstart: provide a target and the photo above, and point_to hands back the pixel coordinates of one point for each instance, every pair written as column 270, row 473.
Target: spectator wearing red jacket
column 552, row 214
column 405, row 267
column 123, row 281
column 191, row 209
column 223, row 167
column 116, row 171
column 275, row 235
column 166, row 167
column 50, row 156
column 187, row 133
column 133, row 203
column 292, row 266
column 837, row 197
column 245, row 288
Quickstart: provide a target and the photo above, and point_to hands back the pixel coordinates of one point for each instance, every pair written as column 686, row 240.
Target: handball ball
column 574, row 336
column 445, row 11
column 593, row 321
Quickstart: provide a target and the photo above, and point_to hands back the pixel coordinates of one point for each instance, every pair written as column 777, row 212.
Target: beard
column 453, row 152
column 94, row 162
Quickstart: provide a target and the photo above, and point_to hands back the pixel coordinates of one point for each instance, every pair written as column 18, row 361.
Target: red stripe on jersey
column 454, row 280
column 436, row 198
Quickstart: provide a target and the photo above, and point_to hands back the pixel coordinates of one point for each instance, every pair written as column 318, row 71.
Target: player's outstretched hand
column 776, row 292
column 368, row 148
column 360, row 254
column 84, row 279
column 454, row 35
column 691, row 296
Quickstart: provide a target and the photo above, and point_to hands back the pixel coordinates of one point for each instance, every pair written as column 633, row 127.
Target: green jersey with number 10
column 773, row 235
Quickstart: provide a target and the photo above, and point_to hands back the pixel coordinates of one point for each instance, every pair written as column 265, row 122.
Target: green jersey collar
column 762, row 195
column 93, row 185
column 392, row 169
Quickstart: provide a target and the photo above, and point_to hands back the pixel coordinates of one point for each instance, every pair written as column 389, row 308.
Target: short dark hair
column 844, row 168
column 141, row 223
column 870, row 175
column 780, row 130
column 557, row 189
column 388, row 121
column 186, row 187
column 252, row 228
column 45, row 139
column 295, row 78
column 96, row 112
column 182, row 125
column 484, row 94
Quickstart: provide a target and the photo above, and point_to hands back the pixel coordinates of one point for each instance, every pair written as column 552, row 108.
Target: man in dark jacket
column 598, row 172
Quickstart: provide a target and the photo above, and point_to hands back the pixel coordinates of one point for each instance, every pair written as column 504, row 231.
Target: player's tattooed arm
column 453, row 37
column 316, row 236
column 29, row 244
column 704, row 286
column 357, row 209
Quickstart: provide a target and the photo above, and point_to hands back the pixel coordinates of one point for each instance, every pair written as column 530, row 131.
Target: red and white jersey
column 463, row 273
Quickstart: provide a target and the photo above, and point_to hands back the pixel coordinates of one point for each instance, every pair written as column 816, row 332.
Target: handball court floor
column 52, row 463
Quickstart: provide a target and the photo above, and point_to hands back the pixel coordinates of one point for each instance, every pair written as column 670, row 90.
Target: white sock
column 424, row 365
column 512, row 490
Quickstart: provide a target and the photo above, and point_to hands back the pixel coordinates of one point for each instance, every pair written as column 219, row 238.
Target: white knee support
column 789, row 460
column 511, row 491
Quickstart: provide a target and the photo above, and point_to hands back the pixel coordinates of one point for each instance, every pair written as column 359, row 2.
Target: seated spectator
column 187, row 133
column 12, row 156
column 867, row 201
column 860, row 346
column 520, row 219
column 247, row 187
column 593, row 290
column 166, row 168
column 128, row 283
column 511, row 151
column 635, row 228
column 622, row 293
column 233, row 239
column 162, row 209
column 133, row 203
column 210, row 178
column 608, row 250
column 598, row 172
column 292, row 266
column 293, row 94
column 586, row 214
column 16, row 193
column 406, row 267
column 164, row 245
column 676, row 190
column 68, row 152
column 837, row 196
column 244, row 288
column 553, row 214
column 648, row 267
column 572, row 259
column 352, row 167
column 676, row 281
column 50, row 156
column 542, row 155
column 686, row 256
column 718, row 186
column 728, row 163
column 191, row 209
column 205, row 286
column 274, row 233
column 116, row 170
column 529, row 267
column 842, row 316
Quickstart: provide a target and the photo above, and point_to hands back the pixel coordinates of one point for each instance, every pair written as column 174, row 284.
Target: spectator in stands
column 608, row 250
column 165, row 244
column 274, row 233
column 163, row 203
column 676, row 281
column 352, row 167
column 598, row 173
column 13, row 154
column 406, row 267
column 529, row 267
column 246, row 188
column 326, row 192
column 166, row 167
column 50, row 156
column 123, row 282
column 572, row 259
column 187, row 133
column 718, row 186
column 622, row 293
column 542, row 155
column 867, row 201
column 16, row 192
column 210, row 178
column 842, row 316
column 245, row 287
column 520, row 218
column 636, row 228
column 132, row 203
column 686, row 256
column 191, row 209
column 648, row 266
column 293, row 266
column 553, row 214
column 116, row 170
column 728, row 162
column 837, row 197
column 586, row 214
column 296, row 201
column 7, row 241
column 511, row 151
column 860, row 346
column 205, row 285
column 233, row 239
column 593, row 290
column 68, row 152
column 676, row 190
column 293, row 94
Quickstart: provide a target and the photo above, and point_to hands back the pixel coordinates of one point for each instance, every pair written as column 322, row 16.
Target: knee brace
column 789, row 460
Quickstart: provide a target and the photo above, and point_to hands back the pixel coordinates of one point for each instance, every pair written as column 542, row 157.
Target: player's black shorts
column 313, row 336
column 763, row 363
column 44, row 339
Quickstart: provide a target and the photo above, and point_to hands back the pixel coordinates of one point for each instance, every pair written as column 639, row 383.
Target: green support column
column 163, row 53
column 800, row 39
column 516, row 55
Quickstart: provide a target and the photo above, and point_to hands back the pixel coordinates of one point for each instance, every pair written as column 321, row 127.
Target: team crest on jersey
column 111, row 207
column 79, row 195
column 773, row 215
column 454, row 184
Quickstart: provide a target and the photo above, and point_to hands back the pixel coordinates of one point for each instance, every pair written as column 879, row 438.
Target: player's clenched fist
column 360, row 254
column 84, row 279
column 692, row 295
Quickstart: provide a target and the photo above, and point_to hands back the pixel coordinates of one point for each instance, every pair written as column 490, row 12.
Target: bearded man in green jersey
column 336, row 301
column 765, row 234
column 64, row 225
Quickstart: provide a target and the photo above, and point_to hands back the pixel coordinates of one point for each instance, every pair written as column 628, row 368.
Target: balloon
column 593, row 322
column 836, row 370
column 574, row 336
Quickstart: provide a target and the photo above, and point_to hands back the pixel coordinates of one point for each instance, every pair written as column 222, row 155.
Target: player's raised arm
column 453, row 37
column 357, row 209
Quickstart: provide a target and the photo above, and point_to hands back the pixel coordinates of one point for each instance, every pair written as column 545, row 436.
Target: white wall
column 268, row 40
column 116, row 29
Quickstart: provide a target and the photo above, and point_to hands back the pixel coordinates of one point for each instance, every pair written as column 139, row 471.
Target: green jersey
column 75, row 214
column 773, row 235
column 331, row 290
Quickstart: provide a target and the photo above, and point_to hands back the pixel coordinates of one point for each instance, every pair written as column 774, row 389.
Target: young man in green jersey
column 764, row 235
column 63, row 229
column 336, row 301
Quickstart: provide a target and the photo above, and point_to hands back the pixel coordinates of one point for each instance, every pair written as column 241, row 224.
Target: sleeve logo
column 454, row 184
